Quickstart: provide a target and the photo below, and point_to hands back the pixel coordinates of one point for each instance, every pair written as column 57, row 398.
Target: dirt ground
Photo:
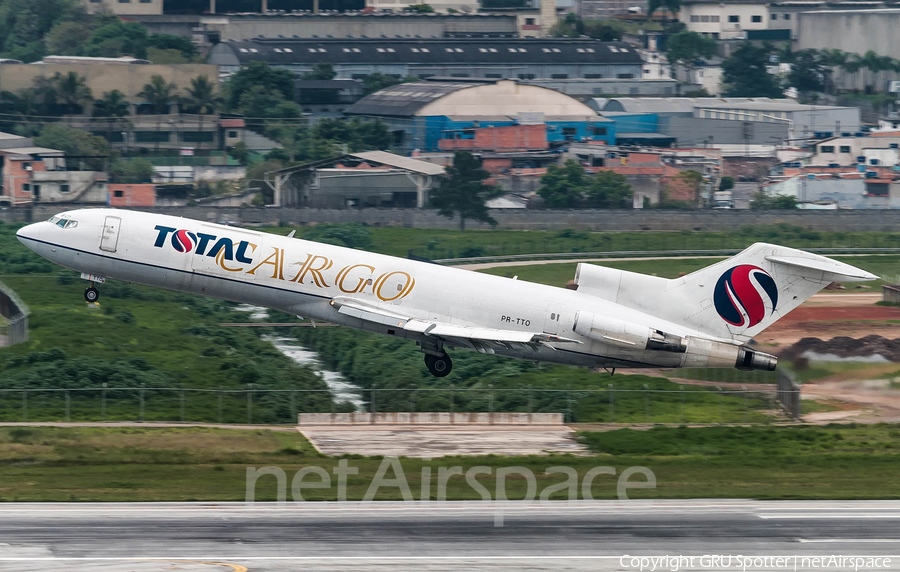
column 409, row 441
column 827, row 316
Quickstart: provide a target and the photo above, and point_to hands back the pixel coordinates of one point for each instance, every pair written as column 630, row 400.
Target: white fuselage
column 302, row 278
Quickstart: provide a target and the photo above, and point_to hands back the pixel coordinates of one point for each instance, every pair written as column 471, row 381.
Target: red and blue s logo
column 738, row 295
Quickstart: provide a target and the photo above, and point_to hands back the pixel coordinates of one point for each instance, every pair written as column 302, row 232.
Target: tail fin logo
column 739, row 295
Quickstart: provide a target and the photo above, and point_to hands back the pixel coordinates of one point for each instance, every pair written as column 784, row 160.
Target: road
column 458, row 536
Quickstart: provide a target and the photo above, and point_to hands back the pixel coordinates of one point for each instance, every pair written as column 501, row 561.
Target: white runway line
column 847, row 540
column 827, row 516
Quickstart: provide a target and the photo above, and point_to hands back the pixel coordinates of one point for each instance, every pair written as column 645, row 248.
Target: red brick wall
column 495, row 166
column 512, row 137
column 137, row 195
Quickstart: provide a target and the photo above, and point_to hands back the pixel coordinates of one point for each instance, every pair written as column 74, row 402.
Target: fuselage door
column 551, row 319
column 110, row 237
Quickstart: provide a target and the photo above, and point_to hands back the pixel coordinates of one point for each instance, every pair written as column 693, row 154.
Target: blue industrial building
column 421, row 114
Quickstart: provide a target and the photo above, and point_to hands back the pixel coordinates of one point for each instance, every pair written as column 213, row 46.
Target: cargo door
column 110, row 236
column 551, row 319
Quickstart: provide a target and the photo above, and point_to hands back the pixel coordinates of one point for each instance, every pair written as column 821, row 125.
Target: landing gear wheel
column 91, row 295
column 439, row 366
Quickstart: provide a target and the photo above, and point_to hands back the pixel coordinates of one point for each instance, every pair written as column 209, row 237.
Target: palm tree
column 72, row 92
column 114, row 106
column 202, row 98
column 872, row 62
column 833, row 59
column 852, row 65
column 158, row 94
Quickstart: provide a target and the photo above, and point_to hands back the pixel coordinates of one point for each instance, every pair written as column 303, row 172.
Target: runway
column 456, row 536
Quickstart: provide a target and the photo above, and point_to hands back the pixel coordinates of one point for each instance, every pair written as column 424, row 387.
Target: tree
column 74, row 143
column 321, row 70
column 67, row 38
column 159, row 94
column 183, row 44
column 670, row 6
column 726, row 183
column 114, row 106
column 240, row 153
column 687, row 47
column 563, row 187
column 72, row 92
column 131, row 171
column 609, row 190
column 463, row 191
column 26, row 24
column 262, row 102
column 118, row 38
column 807, row 72
column 202, row 98
column 572, row 26
column 358, row 134
column 761, row 201
column 259, row 74
column 744, row 74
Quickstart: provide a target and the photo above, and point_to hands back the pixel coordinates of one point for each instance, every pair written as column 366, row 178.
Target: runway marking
column 385, row 558
column 827, row 516
column 234, row 567
column 841, row 540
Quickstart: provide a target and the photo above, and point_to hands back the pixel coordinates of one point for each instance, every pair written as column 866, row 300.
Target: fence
column 788, row 394
column 13, row 317
column 687, row 404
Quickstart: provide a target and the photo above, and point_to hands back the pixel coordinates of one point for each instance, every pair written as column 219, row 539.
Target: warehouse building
column 491, row 58
column 421, row 114
column 729, row 121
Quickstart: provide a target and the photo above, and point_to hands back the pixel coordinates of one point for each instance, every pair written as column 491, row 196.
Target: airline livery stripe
column 177, row 270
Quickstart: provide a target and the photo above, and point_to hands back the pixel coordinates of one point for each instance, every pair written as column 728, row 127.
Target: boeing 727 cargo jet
column 612, row 319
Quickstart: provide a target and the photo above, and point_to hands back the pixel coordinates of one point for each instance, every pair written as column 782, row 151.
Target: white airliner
column 612, row 319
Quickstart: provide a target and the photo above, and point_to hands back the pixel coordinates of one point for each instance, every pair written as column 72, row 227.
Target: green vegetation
column 686, row 47
column 571, row 186
column 572, row 26
column 463, row 193
column 442, row 244
column 394, row 368
column 140, row 335
column 558, row 274
column 763, row 202
column 745, row 74
column 141, row 464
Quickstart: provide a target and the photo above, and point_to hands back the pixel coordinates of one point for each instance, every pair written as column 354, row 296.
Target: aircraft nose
column 29, row 233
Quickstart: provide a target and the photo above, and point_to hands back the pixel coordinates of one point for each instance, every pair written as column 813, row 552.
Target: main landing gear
column 439, row 366
column 91, row 294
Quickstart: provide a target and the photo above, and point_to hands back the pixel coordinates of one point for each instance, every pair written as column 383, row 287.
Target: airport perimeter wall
column 519, row 219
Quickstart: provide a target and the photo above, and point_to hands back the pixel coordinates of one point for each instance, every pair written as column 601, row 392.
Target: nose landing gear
column 439, row 366
column 91, row 294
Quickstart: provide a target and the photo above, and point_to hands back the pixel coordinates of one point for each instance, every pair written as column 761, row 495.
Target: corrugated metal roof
column 405, row 99
column 391, row 160
column 462, row 51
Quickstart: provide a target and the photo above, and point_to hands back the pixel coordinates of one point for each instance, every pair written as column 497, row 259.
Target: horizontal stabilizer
column 834, row 271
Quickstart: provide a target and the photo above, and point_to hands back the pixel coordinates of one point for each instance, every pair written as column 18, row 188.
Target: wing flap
column 363, row 311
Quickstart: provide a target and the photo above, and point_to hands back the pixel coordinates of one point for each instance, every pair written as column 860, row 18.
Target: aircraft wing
column 478, row 338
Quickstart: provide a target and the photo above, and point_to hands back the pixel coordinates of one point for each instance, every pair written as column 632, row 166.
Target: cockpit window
column 66, row 223
column 53, row 219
